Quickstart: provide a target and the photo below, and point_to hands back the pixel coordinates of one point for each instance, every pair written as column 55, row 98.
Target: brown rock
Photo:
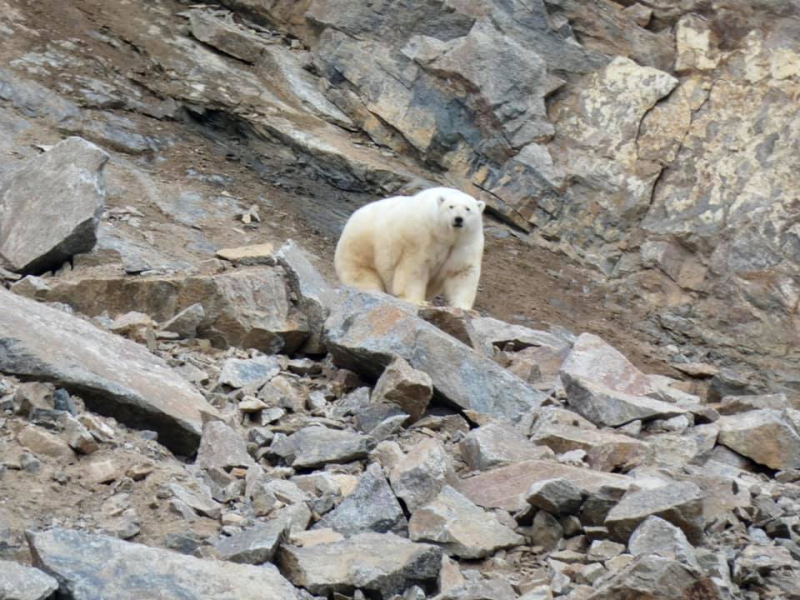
column 42, row 443
column 408, row 388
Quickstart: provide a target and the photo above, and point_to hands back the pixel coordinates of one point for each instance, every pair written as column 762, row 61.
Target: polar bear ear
column 481, row 205
column 441, row 200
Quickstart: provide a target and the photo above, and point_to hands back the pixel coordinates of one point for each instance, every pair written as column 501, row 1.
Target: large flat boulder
column 113, row 375
column 367, row 331
column 18, row 582
column 50, row 207
column 374, row 562
column 88, row 567
column 246, row 307
column 507, row 487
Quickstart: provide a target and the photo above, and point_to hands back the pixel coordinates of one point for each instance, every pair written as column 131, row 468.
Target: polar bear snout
column 458, row 222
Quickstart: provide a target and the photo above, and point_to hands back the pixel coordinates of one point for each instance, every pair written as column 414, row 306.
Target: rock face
column 497, row 444
column 459, row 375
column 115, row 376
column 655, row 577
column 24, row 583
column 419, row 476
column 460, row 527
column 94, row 566
column 374, row 562
column 50, row 207
column 767, row 436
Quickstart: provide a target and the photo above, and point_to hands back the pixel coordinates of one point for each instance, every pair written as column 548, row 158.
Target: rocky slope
column 190, row 410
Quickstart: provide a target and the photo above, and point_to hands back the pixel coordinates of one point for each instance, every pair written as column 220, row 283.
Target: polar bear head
column 456, row 210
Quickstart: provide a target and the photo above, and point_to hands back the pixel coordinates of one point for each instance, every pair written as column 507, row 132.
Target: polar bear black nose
column 458, row 221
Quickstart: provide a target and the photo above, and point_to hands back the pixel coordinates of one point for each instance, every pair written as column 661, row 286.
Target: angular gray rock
column 315, row 297
column 238, row 373
column 314, row 447
column 245, row 307
column 420, row 475
column 767, row 436
column 225, row 36
column 658, row 578
column 253, row 546
column 659, row 537
column 367, row 331
column 498, row 444
column 18, row 582
column 408, row 388
column 221, row 447
column 197, row 498
column 680, row 503
column 557, row 496
column 604, row 406
column 374, row 562
column 460, row 527
column 51, row 206
column 507, row 487
column 96, row 566
column 114, row 376
column 186, row 322
column 372, row 506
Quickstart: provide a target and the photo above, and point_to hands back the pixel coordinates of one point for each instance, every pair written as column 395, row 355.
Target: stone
column 506, row 487
column 461, row 376
column 657, row 536
column 499, row 334
column 249, row 256
column 460, row 527
column 493, row 589
column 457, row 323
column 419, row 477
column 381, row 563
column 498, row 444
column 605, row 451
column 248, row 307
column 680, row 503
column 658, row 578
column 607, row 407
column 114, row 376
column 372, row 506
column 546, row 531
column 556, row 496
column 766, row 436
column 77, row 435
column 408, row 388
column 313, row 447
column 226, row 37
column 18, row 582
column 314, row 537
column 197, row 498
column 186, row 322
column 31, row 287
column 38, row 234
column 129, row 322
column 221, row 447
column 315, row 297
column 96, row 566
column 603, row 550
column 730, row 405
column 253, row 546
column 450, row 576
column 239, row 373
column 43, row 443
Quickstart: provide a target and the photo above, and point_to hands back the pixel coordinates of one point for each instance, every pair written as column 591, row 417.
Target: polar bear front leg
column 410, row 281
column 461, row 288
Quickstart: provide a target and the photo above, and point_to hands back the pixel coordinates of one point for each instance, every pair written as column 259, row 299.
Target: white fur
column 409, row 247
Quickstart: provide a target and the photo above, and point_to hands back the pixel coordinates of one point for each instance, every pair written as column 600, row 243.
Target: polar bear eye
column 451, row 206
column 467, row 209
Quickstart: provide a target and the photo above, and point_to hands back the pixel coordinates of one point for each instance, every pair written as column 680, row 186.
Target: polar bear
column 415, row 247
